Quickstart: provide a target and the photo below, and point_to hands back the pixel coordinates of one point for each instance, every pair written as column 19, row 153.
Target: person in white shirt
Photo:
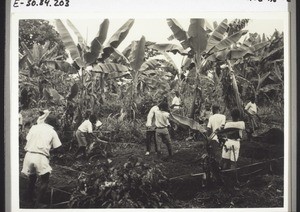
column 231, row 148
column 160, row 114
column 251, row 111
column 176, row 102
column 84, row 132
column 215, row 122
column 41, row 138
column 150, row 133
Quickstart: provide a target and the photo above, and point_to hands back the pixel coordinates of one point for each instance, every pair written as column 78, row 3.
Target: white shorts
column 231, row 145
column 36, row 164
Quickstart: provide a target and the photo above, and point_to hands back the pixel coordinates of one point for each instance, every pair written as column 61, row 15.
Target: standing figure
column 162, row 124
column 231, row 148
column 176, row 105
column 40, row 140
column 150, row 133
column 84, row 132
column 215, row 122
column 251, row 111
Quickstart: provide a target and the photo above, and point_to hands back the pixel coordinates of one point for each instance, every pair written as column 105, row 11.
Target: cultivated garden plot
column 220, row 63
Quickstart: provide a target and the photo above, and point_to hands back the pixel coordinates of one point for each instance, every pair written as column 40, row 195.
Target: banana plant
column 41, row 57
column 200, row 45
column 84, row 55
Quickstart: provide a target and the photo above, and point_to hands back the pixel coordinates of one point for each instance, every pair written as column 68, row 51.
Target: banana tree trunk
column 235, row 89
column 196, row 94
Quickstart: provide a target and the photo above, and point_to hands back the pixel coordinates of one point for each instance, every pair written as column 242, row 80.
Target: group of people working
column 42, row 139
column 158, row 129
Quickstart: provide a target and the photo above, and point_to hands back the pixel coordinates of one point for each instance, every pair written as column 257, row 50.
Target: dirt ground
column 264, row 190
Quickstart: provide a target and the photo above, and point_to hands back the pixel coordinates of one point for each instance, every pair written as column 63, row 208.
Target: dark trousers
column 150, row 138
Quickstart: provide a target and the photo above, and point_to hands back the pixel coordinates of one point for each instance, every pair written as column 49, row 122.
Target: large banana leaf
column 75, row 30
column 113, row 69
column 187, row 122
column 68, row 42
column 227, row 42
column 178, row 32
column 137, row 54
column 120, row 34
column 217, row 35
column 97, row 43
column 197, row 35
column 171, row 61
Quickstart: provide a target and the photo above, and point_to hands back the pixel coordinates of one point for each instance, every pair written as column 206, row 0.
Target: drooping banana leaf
column 217, row 35
column 197, row 35
column 171, row 62
column 120, row 34
column 227, row 42
column 185, row 121
column 113, row 69
column 178, row 32
column 68, row 42
column 137, row 54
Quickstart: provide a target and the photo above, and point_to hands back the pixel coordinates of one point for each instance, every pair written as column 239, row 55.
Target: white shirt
column 176, row 101
column 236, row 124
column 158, row 117
column 86, row 126
column 215, row 122
column 162, row 118
column 150, row 116
column 251, row 108
column 41, row 138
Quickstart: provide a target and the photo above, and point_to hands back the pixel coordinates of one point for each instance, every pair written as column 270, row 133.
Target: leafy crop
column 134, row 185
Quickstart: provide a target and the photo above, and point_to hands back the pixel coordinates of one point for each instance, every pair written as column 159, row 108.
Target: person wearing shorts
column 84, row 131
column 231, row 148
column 41, row 138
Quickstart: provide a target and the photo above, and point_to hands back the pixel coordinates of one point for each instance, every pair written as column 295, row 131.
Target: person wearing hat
column 41, row 138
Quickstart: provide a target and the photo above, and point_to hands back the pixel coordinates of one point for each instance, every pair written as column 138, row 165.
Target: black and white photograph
column 191, row 117
column 179, row 112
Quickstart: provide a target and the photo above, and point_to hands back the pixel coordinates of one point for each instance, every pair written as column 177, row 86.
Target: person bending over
column 85, row 132
column 41, row 138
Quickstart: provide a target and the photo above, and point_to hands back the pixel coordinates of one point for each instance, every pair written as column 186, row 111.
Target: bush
column 134, row 185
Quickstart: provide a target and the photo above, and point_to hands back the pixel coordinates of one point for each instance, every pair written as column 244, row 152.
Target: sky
column 157, row 30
